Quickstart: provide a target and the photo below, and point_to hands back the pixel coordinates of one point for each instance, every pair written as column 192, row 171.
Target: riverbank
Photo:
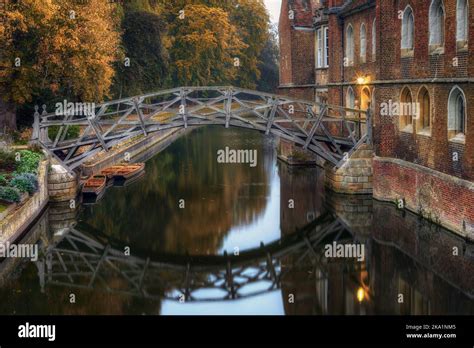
column 129, row 151
column 55, row 186
column 17, row 221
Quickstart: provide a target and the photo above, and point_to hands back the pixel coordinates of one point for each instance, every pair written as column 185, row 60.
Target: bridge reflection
column 79, row 260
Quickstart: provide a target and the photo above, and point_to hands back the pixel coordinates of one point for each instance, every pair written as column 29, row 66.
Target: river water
column 195, row 236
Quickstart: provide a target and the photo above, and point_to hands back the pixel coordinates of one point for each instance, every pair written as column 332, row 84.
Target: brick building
column 411, row 62
column 297, row 75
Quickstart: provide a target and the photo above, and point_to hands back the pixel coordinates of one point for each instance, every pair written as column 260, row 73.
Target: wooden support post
column 136, row 104
column 370, row 140
column 96, row 129
column 315, row 127
column 228, row 106
column 271, row 118
column 183, row 110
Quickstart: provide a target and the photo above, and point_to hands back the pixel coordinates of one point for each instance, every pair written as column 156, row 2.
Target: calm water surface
column 197, row 237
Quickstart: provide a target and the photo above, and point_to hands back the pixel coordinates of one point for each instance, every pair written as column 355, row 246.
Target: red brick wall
column 297, row 56
column 443, row 199
column 337, row 44
column 298, row 93
column 422, row 65
column 284, row 29
column 434, row 151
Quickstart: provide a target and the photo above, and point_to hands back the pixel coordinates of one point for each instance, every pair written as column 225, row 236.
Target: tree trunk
column 7, row 117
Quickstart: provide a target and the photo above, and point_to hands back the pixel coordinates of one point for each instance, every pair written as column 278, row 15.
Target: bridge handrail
column 302, row 122
column 219, row 88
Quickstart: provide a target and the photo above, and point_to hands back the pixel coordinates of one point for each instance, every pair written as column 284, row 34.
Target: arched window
column 363, row 43
column 374, row 40
column 457, row 120
column 350, row 98
column 408, row 28
column 406, row 111
column 424, row 112
column 350, row 102
column 436, row 23
column 350, row 45
column 461, row 22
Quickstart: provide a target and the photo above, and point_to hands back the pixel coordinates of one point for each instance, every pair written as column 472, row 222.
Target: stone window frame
column 350, row 45
column 374, row 40
column 420, row 119
column 458, row 137
column 407, row 45
column 322, row 47
column 462, row 32
column 437, row 27
column 347, row 103
column 363, row 43
column 406, row 127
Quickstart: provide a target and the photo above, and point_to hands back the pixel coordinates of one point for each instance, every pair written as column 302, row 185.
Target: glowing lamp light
column 360, row 294
column 362, row 80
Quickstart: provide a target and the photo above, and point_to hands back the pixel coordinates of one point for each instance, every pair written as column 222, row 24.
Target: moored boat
column 94, row 188
column 124, row 171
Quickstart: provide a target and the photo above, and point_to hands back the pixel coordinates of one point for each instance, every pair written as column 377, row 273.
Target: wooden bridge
column 331, row 132
column 90, row 262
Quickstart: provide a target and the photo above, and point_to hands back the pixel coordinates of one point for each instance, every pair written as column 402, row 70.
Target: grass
column 3, row 208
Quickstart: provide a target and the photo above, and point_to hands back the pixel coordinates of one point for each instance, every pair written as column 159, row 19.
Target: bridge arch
column 306, row 124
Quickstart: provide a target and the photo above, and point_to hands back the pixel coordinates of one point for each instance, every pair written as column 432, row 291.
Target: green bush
column 29, row 162
column 72, row 132
column 10, row 194
column 25, row 183
column 3, row 180
column 7, row 160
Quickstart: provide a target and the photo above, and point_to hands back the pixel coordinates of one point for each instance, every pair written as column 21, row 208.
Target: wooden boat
column 123, row 172
column 94, row 187
column 130, row 181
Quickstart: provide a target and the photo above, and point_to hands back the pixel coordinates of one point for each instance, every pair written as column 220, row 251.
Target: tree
column 248, row 21
column 268, row 67
column 205, row 46
column 144, row 36
column 58, row 49
column 252, row 22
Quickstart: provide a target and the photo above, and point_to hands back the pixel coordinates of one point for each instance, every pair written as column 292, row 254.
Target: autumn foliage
column 59, row 46
column 93, row 50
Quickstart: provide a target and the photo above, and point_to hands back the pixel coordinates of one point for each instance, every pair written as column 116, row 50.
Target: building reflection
column 405, row 255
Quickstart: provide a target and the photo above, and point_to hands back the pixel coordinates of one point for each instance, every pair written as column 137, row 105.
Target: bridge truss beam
column 328, row 131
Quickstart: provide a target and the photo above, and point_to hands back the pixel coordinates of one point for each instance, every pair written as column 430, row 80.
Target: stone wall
column 444, row 199
column 356, row 174
column 15, row 224
column 62, row 185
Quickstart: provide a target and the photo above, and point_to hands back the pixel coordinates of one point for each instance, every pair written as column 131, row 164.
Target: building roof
column 303, row 12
